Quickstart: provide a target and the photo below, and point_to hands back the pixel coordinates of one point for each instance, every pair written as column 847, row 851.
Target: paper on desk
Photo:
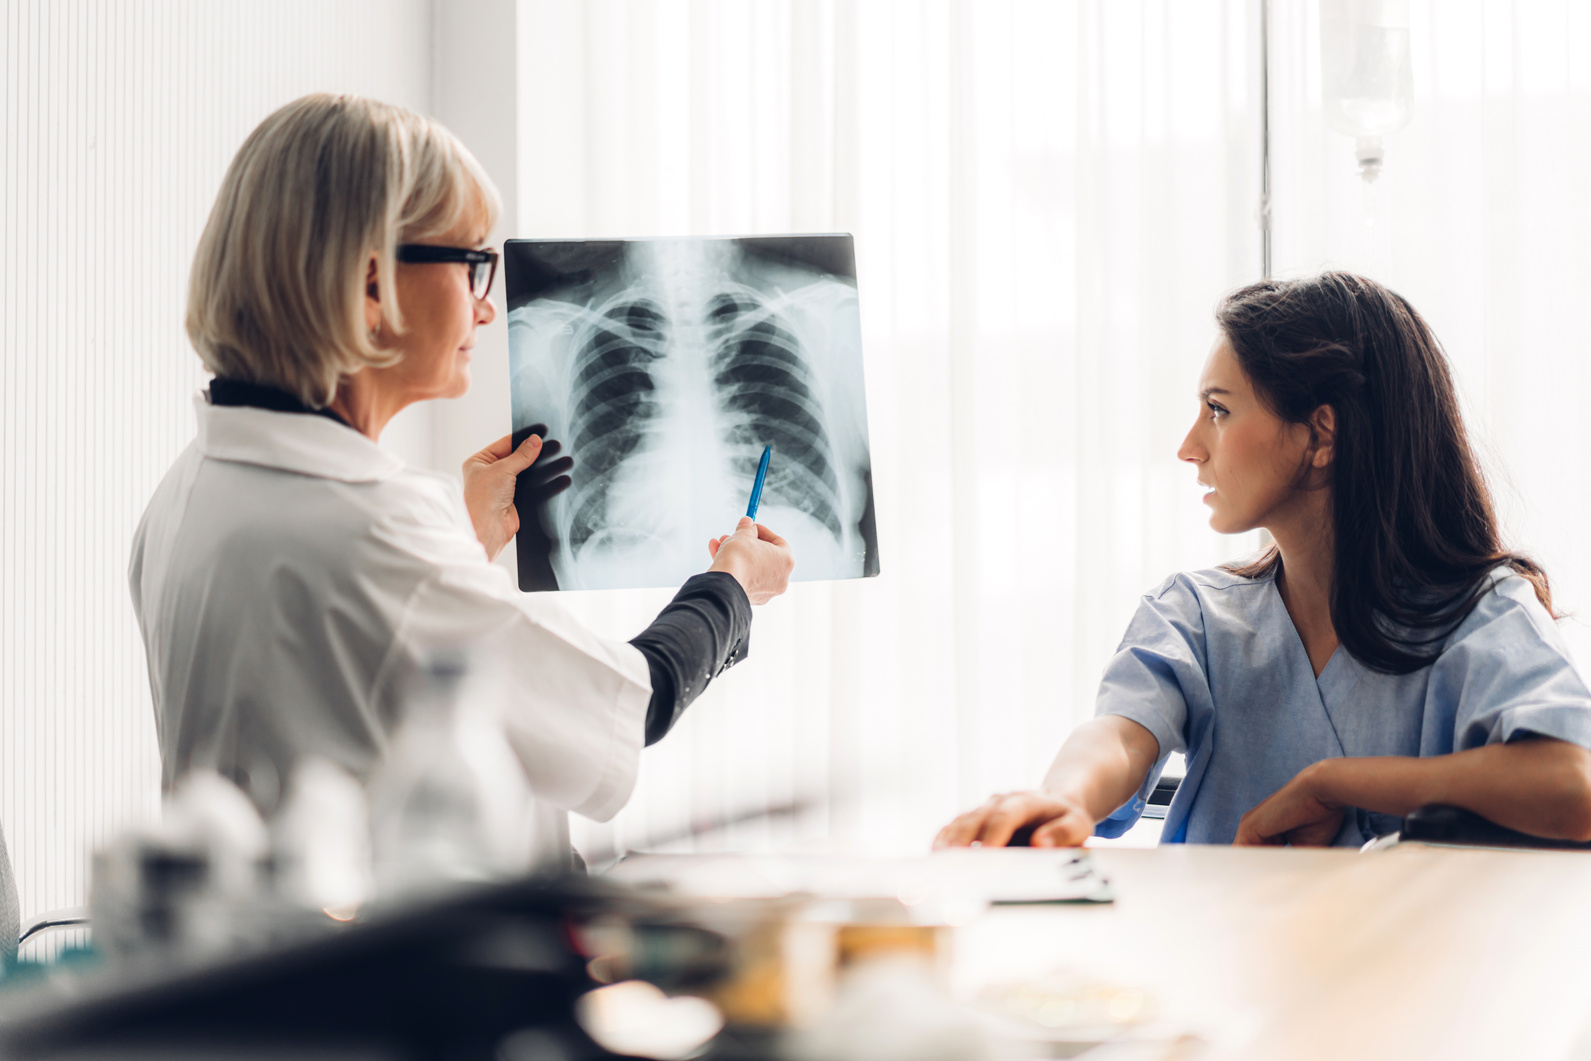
column 999, row 876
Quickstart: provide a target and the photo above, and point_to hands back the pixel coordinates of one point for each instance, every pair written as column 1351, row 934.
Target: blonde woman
column 288, row 572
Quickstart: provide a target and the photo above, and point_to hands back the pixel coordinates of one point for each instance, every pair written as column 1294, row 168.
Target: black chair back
column 1439, row 824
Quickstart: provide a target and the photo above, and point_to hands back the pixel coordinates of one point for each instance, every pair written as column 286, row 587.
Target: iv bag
column 1367, row 88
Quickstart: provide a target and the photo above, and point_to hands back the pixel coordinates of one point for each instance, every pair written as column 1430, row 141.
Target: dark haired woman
column 1385, row 653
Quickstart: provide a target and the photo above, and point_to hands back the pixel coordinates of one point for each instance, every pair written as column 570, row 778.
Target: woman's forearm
column 1539, row 786
column 1098, row 769
column 704, row 629
column 1102, row 764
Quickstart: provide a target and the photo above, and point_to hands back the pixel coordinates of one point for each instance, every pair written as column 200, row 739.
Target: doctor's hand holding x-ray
column 753, row 555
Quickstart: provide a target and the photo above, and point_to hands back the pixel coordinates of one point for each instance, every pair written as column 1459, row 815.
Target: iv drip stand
column 1265, row 139
column 1265, row 539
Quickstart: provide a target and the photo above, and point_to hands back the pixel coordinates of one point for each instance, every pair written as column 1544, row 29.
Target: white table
column 1414, row 952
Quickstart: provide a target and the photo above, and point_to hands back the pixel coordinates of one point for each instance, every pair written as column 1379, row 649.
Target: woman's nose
column 1191, row 450
column 485, row 311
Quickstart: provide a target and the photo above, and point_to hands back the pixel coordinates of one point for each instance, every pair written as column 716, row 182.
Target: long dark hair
column 1415, row 532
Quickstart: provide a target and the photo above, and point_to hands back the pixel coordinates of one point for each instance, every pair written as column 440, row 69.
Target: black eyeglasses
column 483, row 264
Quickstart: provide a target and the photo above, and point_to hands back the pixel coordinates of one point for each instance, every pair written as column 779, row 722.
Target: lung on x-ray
column 662, row 367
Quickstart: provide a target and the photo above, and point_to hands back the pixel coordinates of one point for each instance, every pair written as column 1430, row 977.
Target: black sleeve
column 704, row 630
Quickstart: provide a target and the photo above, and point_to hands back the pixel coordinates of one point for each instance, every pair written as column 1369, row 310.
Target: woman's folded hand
column 1299, row 813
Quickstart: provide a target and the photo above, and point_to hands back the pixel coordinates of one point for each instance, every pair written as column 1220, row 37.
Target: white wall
column 474, row 93
column 118, row 121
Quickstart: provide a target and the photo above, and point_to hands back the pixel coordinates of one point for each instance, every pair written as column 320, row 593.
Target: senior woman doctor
column 288, row 573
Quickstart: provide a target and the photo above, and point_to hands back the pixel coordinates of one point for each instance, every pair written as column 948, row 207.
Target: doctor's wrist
column 733, row 565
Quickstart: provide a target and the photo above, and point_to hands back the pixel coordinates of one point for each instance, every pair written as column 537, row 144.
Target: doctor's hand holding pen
column 756, row 557
column 528, row 464
column 753, row 555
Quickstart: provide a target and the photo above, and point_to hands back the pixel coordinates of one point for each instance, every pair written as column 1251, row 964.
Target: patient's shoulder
column 1507, row 598
column 1205, row 582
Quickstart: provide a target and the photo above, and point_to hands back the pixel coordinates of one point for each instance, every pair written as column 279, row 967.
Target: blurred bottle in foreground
column 449, row 803
column 189, row 886
column 321, row 839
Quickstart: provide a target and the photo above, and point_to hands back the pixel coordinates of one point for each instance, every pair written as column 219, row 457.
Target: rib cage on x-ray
column 762, row 375
column 614, row 401
column 665, row 367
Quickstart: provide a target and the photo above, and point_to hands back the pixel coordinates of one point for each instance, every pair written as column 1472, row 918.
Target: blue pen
column 756, row 487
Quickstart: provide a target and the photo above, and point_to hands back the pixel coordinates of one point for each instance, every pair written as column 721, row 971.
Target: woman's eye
column 1216, row 412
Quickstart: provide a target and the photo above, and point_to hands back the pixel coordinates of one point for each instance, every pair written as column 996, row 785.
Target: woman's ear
column 1323, row 426
column 372, row 297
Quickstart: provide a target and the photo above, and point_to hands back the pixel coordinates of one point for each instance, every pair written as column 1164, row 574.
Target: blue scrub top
column 1213, row 667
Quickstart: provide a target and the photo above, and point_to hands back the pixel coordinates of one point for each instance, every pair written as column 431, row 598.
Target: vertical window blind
column 119, row 120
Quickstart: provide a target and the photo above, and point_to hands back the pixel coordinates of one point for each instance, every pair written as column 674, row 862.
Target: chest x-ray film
column 663, row 367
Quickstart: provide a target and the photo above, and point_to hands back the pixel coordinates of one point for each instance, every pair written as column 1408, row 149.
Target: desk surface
column 1273, row 954
column 1413, row 952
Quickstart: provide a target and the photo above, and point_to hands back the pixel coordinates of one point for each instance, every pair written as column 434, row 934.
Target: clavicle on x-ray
column 663, row 367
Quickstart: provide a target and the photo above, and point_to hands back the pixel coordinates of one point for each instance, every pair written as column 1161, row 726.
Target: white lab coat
column 287, row 574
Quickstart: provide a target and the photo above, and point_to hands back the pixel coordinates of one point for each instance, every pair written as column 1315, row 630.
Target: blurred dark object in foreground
column 493, row 972
column 1440, row 824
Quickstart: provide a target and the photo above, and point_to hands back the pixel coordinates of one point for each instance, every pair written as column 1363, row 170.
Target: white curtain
column 1047, row 200
column 1048, row 197
column 119, row 119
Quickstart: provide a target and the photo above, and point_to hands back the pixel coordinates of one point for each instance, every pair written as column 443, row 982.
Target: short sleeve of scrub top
column 1212, row 665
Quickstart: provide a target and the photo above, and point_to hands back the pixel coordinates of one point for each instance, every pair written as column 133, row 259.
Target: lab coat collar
column 294, row 442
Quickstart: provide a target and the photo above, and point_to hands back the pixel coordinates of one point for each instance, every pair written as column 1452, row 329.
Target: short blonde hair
column 278, row 285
